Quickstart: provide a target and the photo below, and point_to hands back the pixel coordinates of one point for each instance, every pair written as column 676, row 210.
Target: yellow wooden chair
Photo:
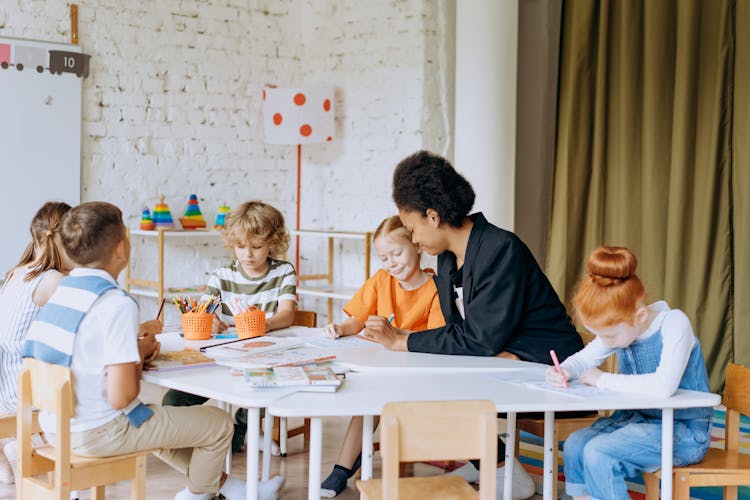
column 564, row 425
column 48, row 387
column 8, row 426
column 435, row 430
column 720, row 467
column 280, row 431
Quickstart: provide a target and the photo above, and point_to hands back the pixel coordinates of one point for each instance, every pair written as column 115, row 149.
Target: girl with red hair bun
column 657, row 353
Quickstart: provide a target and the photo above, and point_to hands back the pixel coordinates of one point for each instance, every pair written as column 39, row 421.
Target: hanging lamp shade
column 298, row 115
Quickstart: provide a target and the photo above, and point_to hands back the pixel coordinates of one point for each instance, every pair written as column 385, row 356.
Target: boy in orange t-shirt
column 400, row 291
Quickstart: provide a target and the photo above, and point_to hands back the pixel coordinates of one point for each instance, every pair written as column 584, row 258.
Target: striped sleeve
column 288, row 287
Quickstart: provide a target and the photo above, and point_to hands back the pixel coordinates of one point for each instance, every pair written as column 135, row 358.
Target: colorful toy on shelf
column 221, row 216
column 146, row 223
column 193, row 217
column 162, row 216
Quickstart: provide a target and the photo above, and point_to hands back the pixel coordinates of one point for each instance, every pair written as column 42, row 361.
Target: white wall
column 172, row 105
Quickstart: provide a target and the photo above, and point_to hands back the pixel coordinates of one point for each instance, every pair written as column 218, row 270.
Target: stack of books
column 316, row 378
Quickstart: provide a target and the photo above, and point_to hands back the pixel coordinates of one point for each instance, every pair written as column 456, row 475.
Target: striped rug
column 532, row 457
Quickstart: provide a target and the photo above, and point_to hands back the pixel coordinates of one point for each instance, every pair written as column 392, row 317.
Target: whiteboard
column 40, row 135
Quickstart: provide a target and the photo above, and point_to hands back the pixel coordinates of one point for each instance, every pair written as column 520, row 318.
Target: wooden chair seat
column 729, row 461
column 78, row 461
column 718, row 468
column 726, row 467
column 417, row 488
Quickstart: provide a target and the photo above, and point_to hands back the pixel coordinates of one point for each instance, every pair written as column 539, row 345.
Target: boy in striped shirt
column 257, row 234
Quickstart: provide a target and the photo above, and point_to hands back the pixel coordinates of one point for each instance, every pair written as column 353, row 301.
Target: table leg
column 316, row 455
column 510, row 450
column 253, row 431
column 267, row 435
column 228, row 463
column 550, row 447
column 667, row 441
column 367, row 448
column 282, row 436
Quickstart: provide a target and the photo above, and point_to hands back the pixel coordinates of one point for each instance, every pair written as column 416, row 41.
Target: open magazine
column 292, row 355
column 239, row 348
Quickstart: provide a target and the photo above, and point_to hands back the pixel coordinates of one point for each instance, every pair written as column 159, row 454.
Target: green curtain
column 646, row 157
column 741, row 186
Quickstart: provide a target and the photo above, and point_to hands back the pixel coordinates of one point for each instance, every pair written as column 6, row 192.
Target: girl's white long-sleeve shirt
column 678, row 340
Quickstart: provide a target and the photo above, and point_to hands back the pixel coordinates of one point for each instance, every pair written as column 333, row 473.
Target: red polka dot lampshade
column 298, row 115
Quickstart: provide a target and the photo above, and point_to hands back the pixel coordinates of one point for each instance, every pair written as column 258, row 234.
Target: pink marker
column 558, row 367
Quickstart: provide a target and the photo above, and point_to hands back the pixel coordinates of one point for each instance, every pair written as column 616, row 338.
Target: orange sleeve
column 435, row 318
column 365, row 301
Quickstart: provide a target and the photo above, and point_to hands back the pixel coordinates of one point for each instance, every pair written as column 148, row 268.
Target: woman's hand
column 591, row 376
column 383, row 332
column 148, row 347
column 333, row 330
column 218, row 325
column 553, row 377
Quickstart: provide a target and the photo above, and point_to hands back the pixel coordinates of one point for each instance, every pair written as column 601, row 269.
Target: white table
column 376, row 359
column 216, row 382
column 366, row 393
column 368, row 356
column 397, row 376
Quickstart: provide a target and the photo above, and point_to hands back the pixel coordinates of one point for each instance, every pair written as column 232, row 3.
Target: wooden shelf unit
column 330, row 290
column 156, row 288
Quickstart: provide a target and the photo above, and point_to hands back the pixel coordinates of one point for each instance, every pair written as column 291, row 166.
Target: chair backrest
column 442, row 430
column 46, row 387
column 47, row 380
column 737, row 401
column 305, row 318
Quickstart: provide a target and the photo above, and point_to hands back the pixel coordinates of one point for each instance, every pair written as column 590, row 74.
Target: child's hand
column 591, row 376
column 218, row 325
column 333, row 330
column 152, row 326
column 553, row 377
column 148, row 347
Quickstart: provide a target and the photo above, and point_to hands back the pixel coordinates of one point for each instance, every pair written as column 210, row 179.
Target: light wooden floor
column 164, row 482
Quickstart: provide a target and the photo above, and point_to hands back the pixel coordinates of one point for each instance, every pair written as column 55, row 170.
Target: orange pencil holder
column 251, row 323
column 197, row 325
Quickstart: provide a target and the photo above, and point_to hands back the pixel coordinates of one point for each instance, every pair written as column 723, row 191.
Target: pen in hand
column 558, row 367
column 390, row 318
column 161, row 307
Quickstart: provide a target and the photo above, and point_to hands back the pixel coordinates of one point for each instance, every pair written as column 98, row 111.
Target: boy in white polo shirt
column 106, row 360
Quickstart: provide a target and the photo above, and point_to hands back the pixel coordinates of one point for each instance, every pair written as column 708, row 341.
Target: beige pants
column 192, row 439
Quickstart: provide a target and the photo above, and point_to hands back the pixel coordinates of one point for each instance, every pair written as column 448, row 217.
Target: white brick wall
column 172, row 106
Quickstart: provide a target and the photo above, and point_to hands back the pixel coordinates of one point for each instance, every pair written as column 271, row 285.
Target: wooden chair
column 726, row 467
column 564, row 425
column 280, row 431
column 419, row 431
column 48, row 387
column 8, row 426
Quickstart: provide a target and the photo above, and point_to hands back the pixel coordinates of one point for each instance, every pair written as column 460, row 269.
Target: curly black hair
column 425, row 180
